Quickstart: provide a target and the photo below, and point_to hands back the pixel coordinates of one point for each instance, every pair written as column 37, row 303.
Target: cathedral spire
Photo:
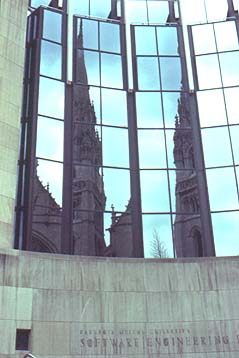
column 81, row 72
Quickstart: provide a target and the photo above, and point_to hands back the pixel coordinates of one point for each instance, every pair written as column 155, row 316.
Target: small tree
column 158, row 249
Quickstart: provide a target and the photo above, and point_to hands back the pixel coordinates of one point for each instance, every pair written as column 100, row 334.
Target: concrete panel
column 191, row 312
column 8, row 303
column 24, row 304
column 12, row 40
column 6, row 234
column 50, row 338
column 8, row 337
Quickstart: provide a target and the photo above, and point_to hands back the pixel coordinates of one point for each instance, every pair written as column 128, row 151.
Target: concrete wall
column 12, row 39
column 80, row 307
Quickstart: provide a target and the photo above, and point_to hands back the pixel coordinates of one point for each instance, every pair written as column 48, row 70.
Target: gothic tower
column 187, row 225
column 87, row 186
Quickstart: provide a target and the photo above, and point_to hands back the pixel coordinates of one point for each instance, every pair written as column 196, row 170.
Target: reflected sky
column 52, row 26
column 115, row 147
column 51, row 98
column 154, row 191
column 149, row 110
column 117, row 100
column 50, row 135
column 208, row 72
column 231, row 97
column 51, row 60
column 215, row 114
column 51, row 173
column 218, row 181
column 223, row 224
column 216, row 138
column 114, row 181
column 203, row 10
column 151, row 149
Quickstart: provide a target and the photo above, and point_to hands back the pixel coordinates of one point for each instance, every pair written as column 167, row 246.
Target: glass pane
column 114, row 107
column 111, row 71
column 115, row 147
column 219, row 180
column 51, row 98
column 218, row 12
column 47, row 212
column 236, row 4
column 109, row 37
column 120, row 232
column 87, row 70
column 171, row 75
column 100, row 8
column 137, row 11
column 216, row 147
column 95, row 101
column 145, row 40
column 149, row 110
column 203, row 39
column 170, row 106
column 52, row 26
column 51, row 60
column 208, row 71
column 154, row 191
column 174, row 177
column 50, row 175
column 81, row 96
column 88, row 230
column 148, row 73
column 226, row 36
column 224, row 223
column 232, row 95
column 157, row 232
column 77, row 7
column 50, row 139
column 151, row 149
column 36, row 3
column 211, row 106
column 90, row 33
column 193, row 11
column 158, row 11
column 229, row 67
column 107, row 224
column 167, row 40
column 188, row 235
column 113, row 180
column 180, row 149
column 234, row 131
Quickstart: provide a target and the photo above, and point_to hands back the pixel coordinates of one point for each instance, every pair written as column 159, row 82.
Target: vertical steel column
column 31, row 138
column 138, row 247
column 66, row 238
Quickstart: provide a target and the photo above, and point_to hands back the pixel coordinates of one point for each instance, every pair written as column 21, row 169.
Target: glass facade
column 119, row 155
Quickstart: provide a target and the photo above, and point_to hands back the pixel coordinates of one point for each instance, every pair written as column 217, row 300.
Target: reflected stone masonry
column 187, row 226
column 87, row 187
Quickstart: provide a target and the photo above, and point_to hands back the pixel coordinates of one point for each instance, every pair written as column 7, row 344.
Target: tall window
column 115, row 149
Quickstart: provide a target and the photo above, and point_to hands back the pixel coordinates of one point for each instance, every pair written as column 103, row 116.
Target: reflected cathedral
column 89, row 197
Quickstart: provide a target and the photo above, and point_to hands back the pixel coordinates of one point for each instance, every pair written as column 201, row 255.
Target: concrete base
column 93, row 307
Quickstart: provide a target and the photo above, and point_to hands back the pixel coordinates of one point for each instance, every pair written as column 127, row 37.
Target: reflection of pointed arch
column 41, row 244
column 197, row 241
